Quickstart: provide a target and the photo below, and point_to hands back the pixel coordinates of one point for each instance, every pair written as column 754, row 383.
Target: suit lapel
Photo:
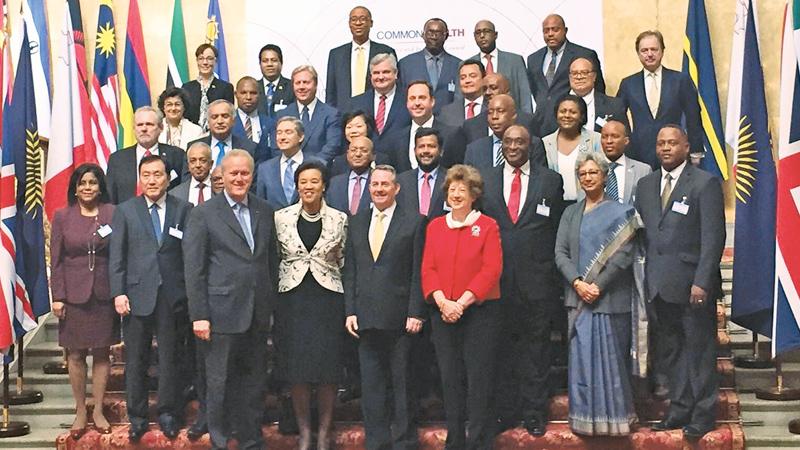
column 255, row 216
column 679, row 190
column 533, row 187
column 666, row 91
column 566, row 58
column 146, row 219
column 229, row 218
column 629, row 174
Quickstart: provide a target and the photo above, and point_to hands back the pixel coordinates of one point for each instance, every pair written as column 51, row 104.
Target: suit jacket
column 227, row 284
column 528, row 245
column 323, row 135
column 138, row 265
column 236, row 142
column 122, row 170
column 408, row 198
column 337, row 197
column 190, row 131
column 615, row 278
column 478, row 127
column 413, row 67
column 283, row 95
column 678, row 103
column 71, row 280
column 398, row 141
column 268, row 184
column 605, row 107
column 337, row 91
column 326, row 258
column 182, row 190
column 382, row 293
column 590, row 142
column 263, row 149
column 339, row 165
column 634, row 171
column 512, row 66
column 544, row 94
column 479, row 153
column 682, row 249
column 397, row 117
column 219, row 89
column 454, row 114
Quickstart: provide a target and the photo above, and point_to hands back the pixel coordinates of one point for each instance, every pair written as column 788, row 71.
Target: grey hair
column 148, row 108
column 298, row 124
column 305, row 68
column 598, row 158
column 202, row 145
column 386, row 168
column 381, row 57
column 237, row 152
column 222, row 101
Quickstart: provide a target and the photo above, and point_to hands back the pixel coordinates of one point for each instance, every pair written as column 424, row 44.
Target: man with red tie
column 196, row 189
column 470, row 103
column 526, row 201
column 422, row 187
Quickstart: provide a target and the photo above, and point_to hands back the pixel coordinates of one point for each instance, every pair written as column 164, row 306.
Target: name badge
column 280, row 107
column 601, row 121
column 172, row 174
column 104, row 231
column 176, row 233
column 451, row 87
column 542, row 209
column 680, row 207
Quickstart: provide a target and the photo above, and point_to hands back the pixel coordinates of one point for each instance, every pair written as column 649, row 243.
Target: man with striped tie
column 623, row 172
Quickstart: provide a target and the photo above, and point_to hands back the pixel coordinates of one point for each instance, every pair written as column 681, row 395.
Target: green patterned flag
column 178, row 69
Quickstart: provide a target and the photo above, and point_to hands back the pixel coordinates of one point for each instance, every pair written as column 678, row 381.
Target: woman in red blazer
column 79, row 284
column 461, row 268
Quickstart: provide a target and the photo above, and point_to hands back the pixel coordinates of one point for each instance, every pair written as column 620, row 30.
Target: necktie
column 471, row 110
column 138, row 186
column 498, row 153
column 304, row 116
column 653, row 96
column 156, row 222
column 489, row 65
column 514, row 196
column 360, row 79
column 551, row 69
column 200, row 196
column 612, row 188
column 377, row 236
column 270, row 93
column 355, row 196
column 221, row 154
column 666, row 192
column 248, row 128
column 433, row 71
column 380, row 116
column 425, row 194
column 288, row 181
column 248, row 234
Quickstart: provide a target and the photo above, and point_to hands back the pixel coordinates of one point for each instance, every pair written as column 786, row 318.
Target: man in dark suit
column 624, row 173
column 384, row 305
column 486, row 152
column 230, row 240
column 149, row 292
column 221, row 117
column 206, row 55
column 657, row 96
column 433, row 64
column 470, row 101
column 275, row 177
column 548, row 67
column 323, row 131
column 422, row 187
column 385, row 102
column 684, row 218
column 348, row 75
column 123, row 165
column 510, row 65
column 249, row 123
column 348, row 192
column 478, row 127
column 274, row 90
column 420, row 105
column 526, row 201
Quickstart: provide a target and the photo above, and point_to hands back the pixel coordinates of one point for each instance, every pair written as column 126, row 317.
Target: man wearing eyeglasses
column 433, row 64
column 348, row 73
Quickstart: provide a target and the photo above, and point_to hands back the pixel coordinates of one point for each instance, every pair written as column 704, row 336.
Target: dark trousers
column 385, row 394
column 688, row 338
column 523, row 360
column 138, row 332
column 235, row 380
column 200, row 348
column 468, row 347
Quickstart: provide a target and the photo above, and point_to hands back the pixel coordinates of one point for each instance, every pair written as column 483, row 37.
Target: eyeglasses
column 580, row 73
column 206, row 58
column 589, row 173
column 359, row 19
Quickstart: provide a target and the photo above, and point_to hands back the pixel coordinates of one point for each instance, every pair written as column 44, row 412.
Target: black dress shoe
column 168, row 425
column 694, row 432
column 536, row 427
column 196, row 431
column 794, row 426
column 349, row 393
column 137, row 430
column 667, row 424
column 502, row 426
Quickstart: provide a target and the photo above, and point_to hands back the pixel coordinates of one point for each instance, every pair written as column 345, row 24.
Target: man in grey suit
column 511, row 65
column 221, row 118
column 684, row 217
column 470, row 102
column 384, row 306
column 149, row 292
column 230, row 240
column 623, row 173
column 197, row 189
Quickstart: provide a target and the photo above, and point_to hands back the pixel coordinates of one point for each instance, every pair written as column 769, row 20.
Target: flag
column 39, row 17
column 698, row 63
column 6, row 71
column 41, row 71
column 748, row 136
column 178, row 69
column 104, row 87
column 70, row 143
column 134, row 86
column 22, row 223
column 786, row 321
column 216, row 37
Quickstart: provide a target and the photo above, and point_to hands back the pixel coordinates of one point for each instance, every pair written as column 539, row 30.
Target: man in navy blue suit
column 385, row 102
column 657, row 96
column 274, row 90
column 348, row 75
column 323, row 131
column 433, row 64
column 275, row 180
column 250, row 123
column 348, row 192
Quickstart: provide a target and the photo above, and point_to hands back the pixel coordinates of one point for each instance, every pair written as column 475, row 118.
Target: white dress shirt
column 297, row 158
column 255, row 123
column 311, row 107
column 140, row 154
column 478, row 106
column 162, row 208
column 389, row 99
column 387, row 219
column 495, row 60
column 215, row 149
column 590, row 110
column 524, row 177
column 675, row 173
column 194, row 191
column 548, row 55
column 354, row 75
column 412, row 156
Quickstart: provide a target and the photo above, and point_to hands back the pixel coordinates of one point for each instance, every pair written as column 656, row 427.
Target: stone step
column 37, row 439
column 750, row 379
column 770, row 437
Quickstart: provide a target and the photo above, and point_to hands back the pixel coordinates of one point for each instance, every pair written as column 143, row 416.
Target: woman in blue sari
column 594, row 252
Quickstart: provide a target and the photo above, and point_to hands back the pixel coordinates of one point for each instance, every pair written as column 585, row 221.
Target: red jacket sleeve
column 488, row 277
column 429, row 274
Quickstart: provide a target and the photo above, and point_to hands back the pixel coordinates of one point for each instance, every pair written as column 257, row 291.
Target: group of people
column 425, row 202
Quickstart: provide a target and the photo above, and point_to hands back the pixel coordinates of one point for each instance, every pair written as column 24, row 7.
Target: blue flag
column 698, row 63
column 754, row 170
column 216, row 37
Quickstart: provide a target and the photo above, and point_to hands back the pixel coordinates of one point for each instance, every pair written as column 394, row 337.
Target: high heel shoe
column 77, row 433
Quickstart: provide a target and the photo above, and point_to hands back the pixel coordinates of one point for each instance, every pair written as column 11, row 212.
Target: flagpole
column 7, row 427
column 778, row 393
column 754, row 361
column 23, row 396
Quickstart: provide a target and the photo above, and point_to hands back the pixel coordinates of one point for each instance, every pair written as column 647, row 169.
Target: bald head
column 359, row 154
column 485, row 36
column 582, row 76
column 493, row 84
column 554, row 31
column 502, row 113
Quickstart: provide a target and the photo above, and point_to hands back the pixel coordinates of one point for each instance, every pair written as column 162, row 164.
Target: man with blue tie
column 348, row 192
column 221, row 117
column 275, row 177
column 274, row 90
column 251, row 124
